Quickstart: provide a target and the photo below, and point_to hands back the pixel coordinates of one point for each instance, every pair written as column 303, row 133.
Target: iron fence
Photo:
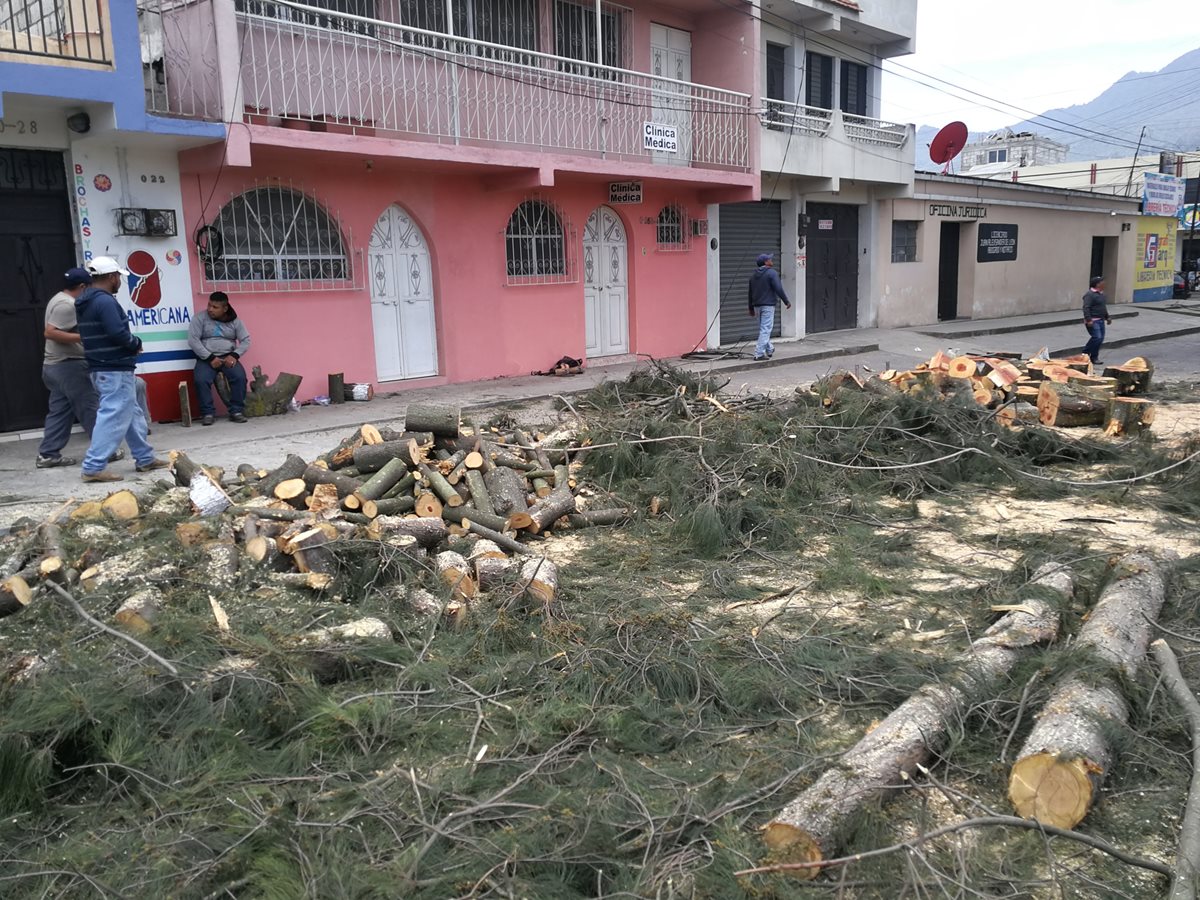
column 58, row 29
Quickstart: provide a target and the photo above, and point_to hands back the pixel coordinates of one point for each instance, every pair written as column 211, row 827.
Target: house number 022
column 19, row 126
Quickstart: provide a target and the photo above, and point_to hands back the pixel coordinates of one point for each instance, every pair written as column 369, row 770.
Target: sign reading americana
column 660, row 138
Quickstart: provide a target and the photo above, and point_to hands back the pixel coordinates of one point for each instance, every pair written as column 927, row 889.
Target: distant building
column 1003, row 150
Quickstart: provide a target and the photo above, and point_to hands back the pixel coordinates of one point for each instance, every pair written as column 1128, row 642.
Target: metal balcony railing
column 58, row 29
column 780, row 115
column 304, row 66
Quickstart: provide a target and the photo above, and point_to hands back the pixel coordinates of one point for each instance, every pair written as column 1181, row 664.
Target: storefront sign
column 1154, row 262
column 1162, row 195
column 1189, row 216
column 624, row 192
column 660, row 138
column 957, row 211
column 997, row 243
column 824, row 224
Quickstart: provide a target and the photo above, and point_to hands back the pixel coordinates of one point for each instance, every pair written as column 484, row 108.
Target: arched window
column 275, row 234
column 670, row 232
column 534, row 242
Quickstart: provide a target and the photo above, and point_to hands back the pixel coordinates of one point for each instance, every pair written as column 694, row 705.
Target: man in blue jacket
column 766, row 290
column 111, row 350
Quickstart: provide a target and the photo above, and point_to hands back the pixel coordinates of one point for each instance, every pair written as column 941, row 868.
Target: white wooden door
column 401, row 299
column 671, row 57
column 606, row 284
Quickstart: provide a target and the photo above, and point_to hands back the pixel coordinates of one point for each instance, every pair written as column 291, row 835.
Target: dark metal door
column 747, row 229
column 831, row 281
column 36, row 247
column 948, row 272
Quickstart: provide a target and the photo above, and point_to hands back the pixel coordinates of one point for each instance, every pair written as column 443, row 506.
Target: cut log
column 436, row 418
column 1133, row 377
column 812, row 827
column 428, row 531
column 292, row 491
column 429, row 506
column 1068, row 752
column 265, row 550
column 1061, row 406
column 1128, row 415
column 221, row 563
column 185, row 405
column 140, row 611
column 15, row 595
column 358, row 631
column 394, row 507
column 549, row 510
column 1013, row 416
column 539, row 580
column 593, row 517
column 337, row 387
column 360, row 391
column 1003, row 374
column 207, row 496
column 479, row 492
column 182, row 467
column 474, row 460
column 962, row 367
column 121, row 506
column 314, row 475
column 373, row 457
column 456, row 572
column 490, row 562
column 343, row 454
column 438, row 484
column 314, row 581
column 195, row 533
column 507, row 489
column 247, row 474
column 292, row 467
column 263, row 399
column 458, row 514
column 323, row 501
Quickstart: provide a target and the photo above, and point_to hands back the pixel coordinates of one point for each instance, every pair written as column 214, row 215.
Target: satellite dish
column 947, row 144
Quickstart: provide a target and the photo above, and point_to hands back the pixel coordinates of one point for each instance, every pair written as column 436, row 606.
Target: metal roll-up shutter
column 747, row 229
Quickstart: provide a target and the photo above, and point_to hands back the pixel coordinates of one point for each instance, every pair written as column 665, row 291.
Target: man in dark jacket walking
column 111, row 350
column 766, row 290
column 1095, row 317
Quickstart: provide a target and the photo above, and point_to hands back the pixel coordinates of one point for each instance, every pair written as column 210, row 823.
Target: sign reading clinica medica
column 997, row 243
column 624, row 192
column 660, row 138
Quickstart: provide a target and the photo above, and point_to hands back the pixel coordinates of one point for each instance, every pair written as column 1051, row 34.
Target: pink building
column 405, row 197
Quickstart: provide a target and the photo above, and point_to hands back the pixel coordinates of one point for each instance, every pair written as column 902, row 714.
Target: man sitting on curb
column 65, row 374
column 218, row 338
column 111, row 352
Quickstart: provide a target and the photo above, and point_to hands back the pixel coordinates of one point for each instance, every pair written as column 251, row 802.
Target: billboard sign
column 1162, row 195
column 1154, row 264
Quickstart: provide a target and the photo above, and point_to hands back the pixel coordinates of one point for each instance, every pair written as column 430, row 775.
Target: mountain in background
column 1167, row 102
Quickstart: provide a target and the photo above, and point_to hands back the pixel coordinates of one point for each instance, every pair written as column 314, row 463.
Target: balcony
column 55, row 30
column 812, row 142
column 307, row 67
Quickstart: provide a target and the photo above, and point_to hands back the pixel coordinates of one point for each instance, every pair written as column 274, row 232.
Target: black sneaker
column 238, row 417
column 207, row 420
column 54, row 462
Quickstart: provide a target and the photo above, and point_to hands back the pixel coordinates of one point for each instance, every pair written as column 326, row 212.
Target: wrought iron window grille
column 277, row 238
column 539, row 246
column 673, row 230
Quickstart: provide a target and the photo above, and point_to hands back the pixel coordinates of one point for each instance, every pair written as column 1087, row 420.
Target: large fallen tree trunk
column 812, row 826
column 1068, row 752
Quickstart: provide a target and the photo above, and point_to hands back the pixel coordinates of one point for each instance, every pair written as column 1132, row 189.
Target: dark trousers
column 204, row 377
column 1096, row 330
column 72, row 399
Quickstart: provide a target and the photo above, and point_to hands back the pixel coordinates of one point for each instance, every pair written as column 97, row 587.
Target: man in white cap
column 111, row 350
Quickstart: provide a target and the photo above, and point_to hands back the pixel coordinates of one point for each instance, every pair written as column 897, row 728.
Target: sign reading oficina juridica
column 626, row 192
column 660, row 138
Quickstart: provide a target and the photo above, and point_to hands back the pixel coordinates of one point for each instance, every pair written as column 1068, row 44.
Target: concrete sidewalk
column 312, row 430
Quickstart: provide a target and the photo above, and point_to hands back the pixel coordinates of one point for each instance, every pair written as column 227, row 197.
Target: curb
column 1008, row 329
column 816, row 356
column 1127, row 342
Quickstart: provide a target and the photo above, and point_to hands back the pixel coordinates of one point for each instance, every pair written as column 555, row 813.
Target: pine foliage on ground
column 628, row 745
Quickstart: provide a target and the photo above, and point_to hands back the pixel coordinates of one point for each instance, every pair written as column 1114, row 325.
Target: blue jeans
column 119, row 416
column 766, row 323
column 1092, row 348
column 205, row 375
column 72, row 399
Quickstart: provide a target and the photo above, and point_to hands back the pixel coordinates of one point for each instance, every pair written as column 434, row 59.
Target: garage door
column 747, row 229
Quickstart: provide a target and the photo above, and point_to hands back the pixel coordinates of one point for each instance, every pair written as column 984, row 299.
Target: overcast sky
column 1037, row 54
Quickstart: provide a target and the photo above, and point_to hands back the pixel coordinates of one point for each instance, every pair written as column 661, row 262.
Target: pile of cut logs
column 466, row 499
column 1063, row 392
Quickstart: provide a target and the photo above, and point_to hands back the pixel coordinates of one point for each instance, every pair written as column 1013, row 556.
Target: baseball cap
column 105, row 265
column 764, row 258
column 75, row 277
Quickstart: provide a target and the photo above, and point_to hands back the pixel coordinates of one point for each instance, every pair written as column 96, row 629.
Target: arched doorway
column 401, row 298
column 606, row 284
